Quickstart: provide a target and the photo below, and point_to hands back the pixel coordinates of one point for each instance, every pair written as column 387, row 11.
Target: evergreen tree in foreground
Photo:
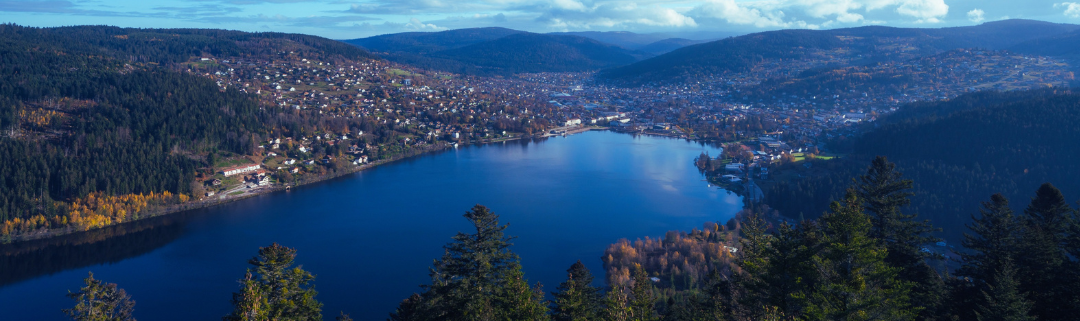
column 750, row 283
column 100, row 301
column 478, row 278
column 280, row 291
column 643, row 301
column 1002, row 300
column 515, row 300
column 1044, row 270
column 884, row 192
column 576, row 299
column 856, row 283
column 617, row 305
column 994, row 241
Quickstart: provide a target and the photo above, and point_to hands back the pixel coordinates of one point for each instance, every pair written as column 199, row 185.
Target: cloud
column 734, row 13
column 57, row 6
column 820, row 13
column 415, row 25
column 569, row 14
column 253, row 2
column 926, row 11
column 1072, row 9
column 976, row 15
column 198, row 11
column 407, row 7
column 325, row 22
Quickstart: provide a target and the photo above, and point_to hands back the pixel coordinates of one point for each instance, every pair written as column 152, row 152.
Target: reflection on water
column 370, row 237
column 26, row 260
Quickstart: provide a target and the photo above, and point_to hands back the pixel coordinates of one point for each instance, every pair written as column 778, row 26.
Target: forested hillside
column 851, row 46
column 957, row 152
column 429, row 42
column 498, row 51
column 1066, row 45
column 667, row 45
column 99, row 122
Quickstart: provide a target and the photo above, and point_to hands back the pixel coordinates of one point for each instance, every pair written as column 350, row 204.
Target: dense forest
column 99, row 122
column 865, row 259
column 862, row 45
column 957, row 151
column 497, row 51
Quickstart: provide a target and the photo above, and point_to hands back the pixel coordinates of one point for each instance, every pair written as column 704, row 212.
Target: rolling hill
column 857, row 45
column 667, row 45
column 113, row 114
column 429, row 42
column 1061, row 45
column 625, row 39
column 498, row 51
column 958, row 153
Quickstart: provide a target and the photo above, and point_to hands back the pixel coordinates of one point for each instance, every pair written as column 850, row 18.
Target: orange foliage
column 94, row 211
column 680, row 260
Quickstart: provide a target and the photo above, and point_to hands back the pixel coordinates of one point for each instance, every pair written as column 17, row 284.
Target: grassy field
column 398, row 72
column 229, row 162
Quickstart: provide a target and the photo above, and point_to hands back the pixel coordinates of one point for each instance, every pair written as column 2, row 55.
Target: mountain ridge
column 862, row 44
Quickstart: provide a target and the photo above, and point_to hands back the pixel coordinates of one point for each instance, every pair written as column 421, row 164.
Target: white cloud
column 567, row 15
column 734, row 13
column 976, row 15
column 416, row 25
column 822, row 13
column 1072, row 9
column 926, row 11
column 568, row 5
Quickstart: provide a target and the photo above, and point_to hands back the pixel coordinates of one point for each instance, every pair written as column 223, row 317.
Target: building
column 235, row 170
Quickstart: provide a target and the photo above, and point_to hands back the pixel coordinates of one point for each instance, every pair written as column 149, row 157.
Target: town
column 364, row 112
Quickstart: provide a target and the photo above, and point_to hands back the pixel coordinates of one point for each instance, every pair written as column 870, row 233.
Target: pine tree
column 642, row 301
column 715, row 304
column 1044, row 269
column 994, row 241
column 706, row 304
column 884, row 192
column 410, row 309
column 250, row 304
column 281, row 291
column 751, row 291
column 791, row 274
column 516, row 301
column 856, row 283
column 466, row 283
column 576, row 299
column 617, row 305
column 343, row 317
column 1002, row 298
column 100, row 301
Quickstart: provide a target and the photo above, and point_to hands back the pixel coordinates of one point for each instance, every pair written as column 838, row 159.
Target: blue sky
column 346, row 19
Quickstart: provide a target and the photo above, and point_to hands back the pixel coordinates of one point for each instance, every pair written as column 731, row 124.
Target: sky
column 348, row 19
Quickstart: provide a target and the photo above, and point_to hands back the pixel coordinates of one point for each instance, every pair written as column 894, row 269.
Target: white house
column 240, row 169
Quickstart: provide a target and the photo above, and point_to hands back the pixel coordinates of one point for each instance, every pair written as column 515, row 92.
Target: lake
column 370, row 237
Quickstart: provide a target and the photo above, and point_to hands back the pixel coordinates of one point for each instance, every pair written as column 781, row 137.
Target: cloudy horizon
column 340, row 19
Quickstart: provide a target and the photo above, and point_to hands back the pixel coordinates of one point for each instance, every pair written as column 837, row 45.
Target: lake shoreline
column 45, row 237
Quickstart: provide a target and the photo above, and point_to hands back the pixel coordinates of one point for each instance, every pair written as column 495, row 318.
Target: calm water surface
column 370, row 237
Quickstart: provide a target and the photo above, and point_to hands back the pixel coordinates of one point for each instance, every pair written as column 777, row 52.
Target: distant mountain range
column 633, row 58
column 498, row 51
column 858, row 45
column 668, row 45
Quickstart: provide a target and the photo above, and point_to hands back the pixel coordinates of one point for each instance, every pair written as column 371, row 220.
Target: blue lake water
column 370, row 237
